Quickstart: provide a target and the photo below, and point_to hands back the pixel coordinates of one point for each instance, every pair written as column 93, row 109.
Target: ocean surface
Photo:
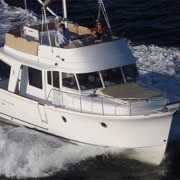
column 152, row 32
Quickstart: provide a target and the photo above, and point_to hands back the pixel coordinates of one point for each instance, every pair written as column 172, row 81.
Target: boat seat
column 30, row 34
column 130, row 92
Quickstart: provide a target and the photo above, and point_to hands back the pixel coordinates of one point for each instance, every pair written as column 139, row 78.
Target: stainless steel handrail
column 95, row 99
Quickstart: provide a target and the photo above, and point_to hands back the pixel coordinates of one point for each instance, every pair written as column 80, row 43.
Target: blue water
column 150, row 27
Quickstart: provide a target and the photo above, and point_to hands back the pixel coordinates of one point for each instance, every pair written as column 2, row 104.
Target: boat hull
column 152, row 155
column 143, row 137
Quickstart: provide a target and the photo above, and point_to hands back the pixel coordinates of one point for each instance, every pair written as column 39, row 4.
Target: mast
column 45, row 7
column 64, row 12
column 25, row 4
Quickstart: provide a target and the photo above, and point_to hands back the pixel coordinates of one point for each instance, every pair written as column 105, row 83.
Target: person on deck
column 98, row 31
column 63, row 35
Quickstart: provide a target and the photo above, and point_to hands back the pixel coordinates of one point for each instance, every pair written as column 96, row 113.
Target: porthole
column 64, row 119
column 103, row 125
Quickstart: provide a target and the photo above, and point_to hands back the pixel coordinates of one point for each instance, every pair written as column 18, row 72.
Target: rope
column 102, row 7
column 45, row 20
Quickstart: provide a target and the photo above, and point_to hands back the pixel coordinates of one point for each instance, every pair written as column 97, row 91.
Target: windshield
column 89, row 81
column 109, row 77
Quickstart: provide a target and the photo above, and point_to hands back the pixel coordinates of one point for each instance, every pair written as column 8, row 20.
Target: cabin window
column 56, row 79
column 131, row 73
column 4, row 70
column 89, row 81
column 112, row 76
column 69, row 80
column 35, row 77
column 55, row 76
column 49, row 79
column 4, row 75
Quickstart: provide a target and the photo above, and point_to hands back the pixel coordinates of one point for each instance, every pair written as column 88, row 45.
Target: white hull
column 152, row 155
column 143, row 137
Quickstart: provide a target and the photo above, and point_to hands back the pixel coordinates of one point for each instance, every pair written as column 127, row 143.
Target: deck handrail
column 81, row 100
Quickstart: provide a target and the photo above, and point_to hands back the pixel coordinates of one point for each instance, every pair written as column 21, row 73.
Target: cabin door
column 53, row 87
column 56, row 89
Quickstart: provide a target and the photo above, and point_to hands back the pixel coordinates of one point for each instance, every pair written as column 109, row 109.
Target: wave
column 28, row 153
column 13, row 17
column 25, row 153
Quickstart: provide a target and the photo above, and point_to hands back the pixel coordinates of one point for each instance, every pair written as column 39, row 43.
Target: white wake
column 28, row 153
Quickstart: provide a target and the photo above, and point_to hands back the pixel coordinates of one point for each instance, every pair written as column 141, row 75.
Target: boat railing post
column 115, row 109
column 72, row 101
column 102, row 106
column 130, row 110
column 81, row 103
column 62, row 99
column 116, row 106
